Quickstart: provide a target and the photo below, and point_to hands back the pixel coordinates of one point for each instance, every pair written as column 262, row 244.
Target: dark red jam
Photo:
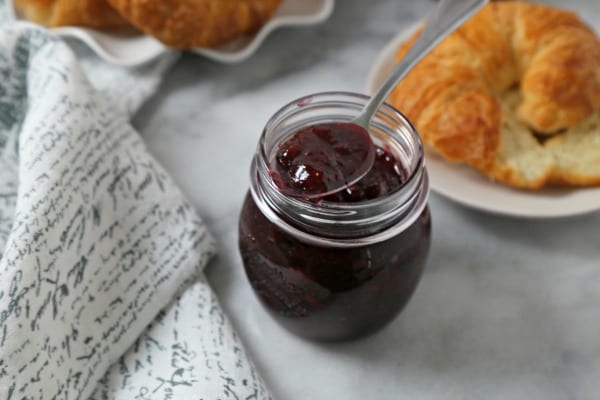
column 386, row 176
column 330, row 293
column 322, row 159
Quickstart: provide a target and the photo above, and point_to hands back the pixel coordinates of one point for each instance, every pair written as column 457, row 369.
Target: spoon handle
column 447, row 17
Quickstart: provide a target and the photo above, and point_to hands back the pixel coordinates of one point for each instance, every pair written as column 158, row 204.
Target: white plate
column 466, row 186
column 138, row 49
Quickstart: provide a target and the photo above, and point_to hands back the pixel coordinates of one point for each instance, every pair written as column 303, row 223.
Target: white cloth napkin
column 102, row 294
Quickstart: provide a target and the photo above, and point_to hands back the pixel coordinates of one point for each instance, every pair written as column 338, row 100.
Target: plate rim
column 383, row 58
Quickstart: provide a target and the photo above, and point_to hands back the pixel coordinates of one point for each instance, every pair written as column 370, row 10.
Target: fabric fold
column 96, row 240
column 194, row 351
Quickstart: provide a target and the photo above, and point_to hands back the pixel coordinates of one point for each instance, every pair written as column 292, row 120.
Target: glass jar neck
column 332, row 223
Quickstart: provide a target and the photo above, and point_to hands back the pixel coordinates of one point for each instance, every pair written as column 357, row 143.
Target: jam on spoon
column 322, row 159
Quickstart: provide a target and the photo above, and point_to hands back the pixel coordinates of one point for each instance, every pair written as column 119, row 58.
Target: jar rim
column 414, row 192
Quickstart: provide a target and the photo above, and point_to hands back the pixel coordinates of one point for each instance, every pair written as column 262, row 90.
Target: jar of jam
column 343, row 265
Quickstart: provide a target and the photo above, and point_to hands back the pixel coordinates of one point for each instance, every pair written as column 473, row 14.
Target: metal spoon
column 447, row 17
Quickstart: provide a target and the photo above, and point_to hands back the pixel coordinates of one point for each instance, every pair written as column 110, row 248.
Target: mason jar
column 330, row 270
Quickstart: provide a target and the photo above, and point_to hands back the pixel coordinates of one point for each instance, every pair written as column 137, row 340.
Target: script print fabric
column 194, row 355
column 95, row 241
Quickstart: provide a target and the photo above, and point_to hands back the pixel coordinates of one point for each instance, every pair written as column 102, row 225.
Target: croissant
column 90, row 13
column 196, row 23
column 512, row 74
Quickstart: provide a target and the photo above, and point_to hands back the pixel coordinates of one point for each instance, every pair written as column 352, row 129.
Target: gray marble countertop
column 507, row 308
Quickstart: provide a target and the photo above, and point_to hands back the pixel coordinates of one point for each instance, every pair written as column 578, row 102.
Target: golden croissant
column 90, row 13
column 493, row 92
column 196, row 23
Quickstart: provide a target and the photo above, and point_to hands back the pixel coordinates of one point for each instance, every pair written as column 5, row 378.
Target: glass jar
column 335, row 271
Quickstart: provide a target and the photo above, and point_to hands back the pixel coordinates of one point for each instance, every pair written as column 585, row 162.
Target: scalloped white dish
column 137, row 49
column 468, row 187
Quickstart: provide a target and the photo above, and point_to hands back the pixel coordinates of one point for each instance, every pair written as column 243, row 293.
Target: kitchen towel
column 102, row 294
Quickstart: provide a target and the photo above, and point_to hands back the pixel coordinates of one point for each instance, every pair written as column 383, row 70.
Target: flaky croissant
column 460, row 99
column 89, row 13
column 187, row 24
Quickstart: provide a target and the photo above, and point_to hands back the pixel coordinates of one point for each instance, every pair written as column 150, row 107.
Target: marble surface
column 507, row 308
